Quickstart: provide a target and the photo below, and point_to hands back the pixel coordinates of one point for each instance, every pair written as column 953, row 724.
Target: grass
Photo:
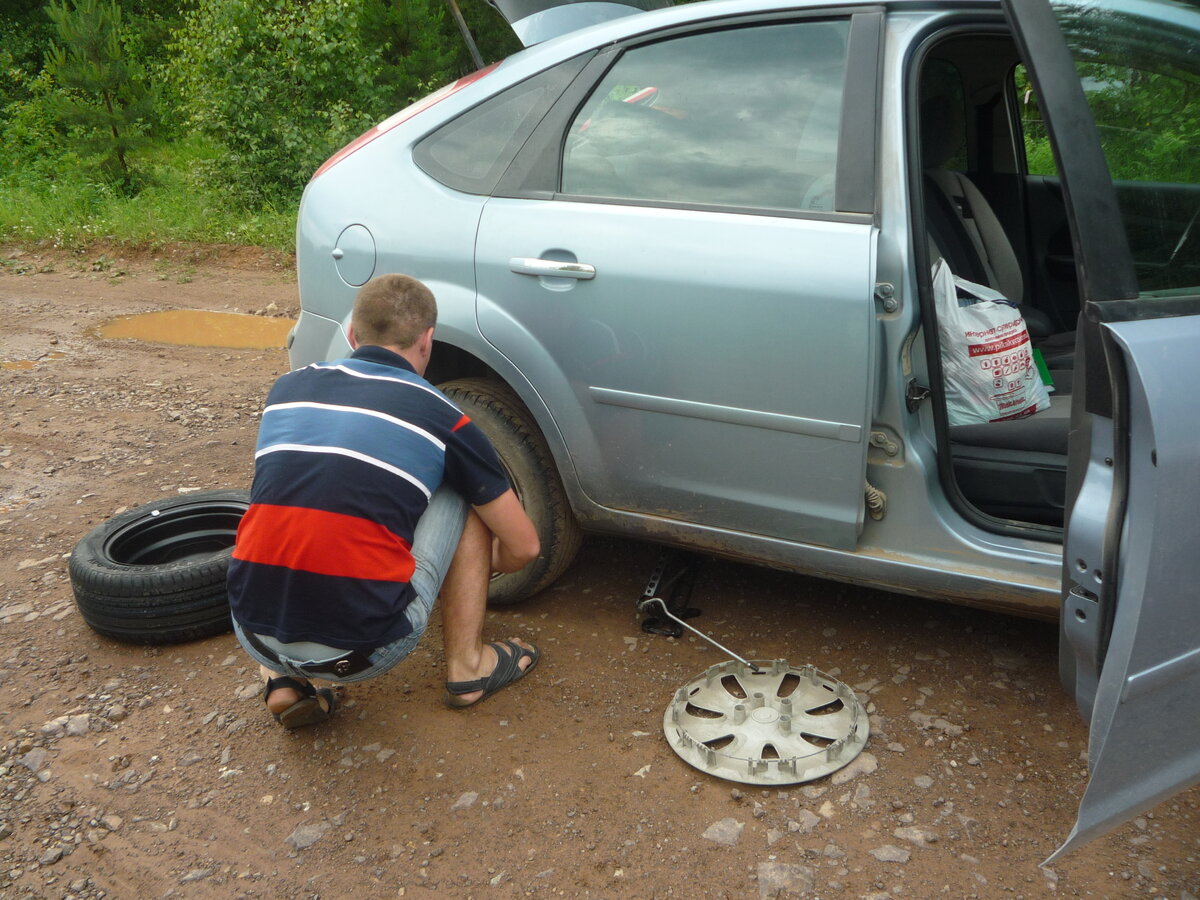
column 62, row 205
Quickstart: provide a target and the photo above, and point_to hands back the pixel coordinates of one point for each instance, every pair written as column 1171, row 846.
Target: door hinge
column 885, row 293
column 914, row 393
column 881, row 440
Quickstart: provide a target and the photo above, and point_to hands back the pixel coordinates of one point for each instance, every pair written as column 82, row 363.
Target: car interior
column 980, row 209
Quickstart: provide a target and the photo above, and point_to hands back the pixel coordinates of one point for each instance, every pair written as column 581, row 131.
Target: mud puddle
column 201, row 328
column 24, row 364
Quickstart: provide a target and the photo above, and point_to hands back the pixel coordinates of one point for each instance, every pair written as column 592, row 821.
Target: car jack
column 676, row 570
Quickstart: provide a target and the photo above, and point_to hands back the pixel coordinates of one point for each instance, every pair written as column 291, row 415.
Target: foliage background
column 226, row 107
column 246, row 99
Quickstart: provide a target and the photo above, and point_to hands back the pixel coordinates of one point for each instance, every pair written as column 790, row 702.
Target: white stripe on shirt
column 353, row 454
column 347, row 370
column 305, row 404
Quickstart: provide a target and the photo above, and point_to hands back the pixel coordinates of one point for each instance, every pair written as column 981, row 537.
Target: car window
column 1039, row 158
column 471, row 152
column 746, row 117
column 1141, row 77
column 1149, row 123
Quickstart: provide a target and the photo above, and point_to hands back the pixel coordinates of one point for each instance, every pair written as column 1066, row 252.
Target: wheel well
column 449, row 362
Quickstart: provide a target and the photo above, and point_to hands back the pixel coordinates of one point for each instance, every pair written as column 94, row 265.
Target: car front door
column 681, row 262
column 1120, row 85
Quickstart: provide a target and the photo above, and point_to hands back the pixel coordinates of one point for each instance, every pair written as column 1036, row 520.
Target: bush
column 31, row 141
column 282, row 84
column 72, row 210
column 25, row 33
column 251, row 97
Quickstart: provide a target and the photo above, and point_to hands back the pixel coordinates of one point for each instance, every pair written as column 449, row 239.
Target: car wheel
column 496, row 409
column 156, row 574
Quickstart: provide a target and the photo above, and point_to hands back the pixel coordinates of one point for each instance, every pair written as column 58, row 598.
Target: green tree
column 25, row 33
column 281, row 85
column 278, row 84
column 492, row 34
column 105, row 102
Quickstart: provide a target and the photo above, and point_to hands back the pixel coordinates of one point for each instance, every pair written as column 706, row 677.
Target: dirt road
column 128, row 772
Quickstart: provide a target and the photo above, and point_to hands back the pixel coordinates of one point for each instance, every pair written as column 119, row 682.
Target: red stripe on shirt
column 327, row 543
column 465, row 420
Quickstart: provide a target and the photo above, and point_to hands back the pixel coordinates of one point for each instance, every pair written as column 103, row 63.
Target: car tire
column 156, row 574
column 499, row 412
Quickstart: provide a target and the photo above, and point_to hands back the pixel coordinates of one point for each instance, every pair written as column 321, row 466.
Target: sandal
column 508, row 669
column 308, row 710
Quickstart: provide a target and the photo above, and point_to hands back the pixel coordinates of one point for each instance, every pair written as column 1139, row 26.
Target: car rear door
column 1119, row 81
column 682, row 263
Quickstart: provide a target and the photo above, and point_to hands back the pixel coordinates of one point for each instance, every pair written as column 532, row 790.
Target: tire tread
column 165, row 603
column 511, row 426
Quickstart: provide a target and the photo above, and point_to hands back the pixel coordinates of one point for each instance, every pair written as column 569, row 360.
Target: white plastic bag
column 987, row 358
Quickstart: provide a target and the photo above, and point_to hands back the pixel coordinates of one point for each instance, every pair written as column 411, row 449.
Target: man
column 372, row 495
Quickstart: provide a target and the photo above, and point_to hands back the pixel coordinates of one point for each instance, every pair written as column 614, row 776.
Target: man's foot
column 294, row 702
column 283, row 697
column 513, row 658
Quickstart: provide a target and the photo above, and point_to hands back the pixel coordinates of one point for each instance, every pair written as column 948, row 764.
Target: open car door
column 1119, row 85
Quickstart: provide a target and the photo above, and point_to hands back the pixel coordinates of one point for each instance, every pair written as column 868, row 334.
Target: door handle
column 554, row 268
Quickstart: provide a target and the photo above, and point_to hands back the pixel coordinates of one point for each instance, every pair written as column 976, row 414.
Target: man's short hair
column 393, row 311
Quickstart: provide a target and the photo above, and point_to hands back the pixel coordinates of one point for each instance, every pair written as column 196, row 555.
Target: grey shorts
column 435, row 540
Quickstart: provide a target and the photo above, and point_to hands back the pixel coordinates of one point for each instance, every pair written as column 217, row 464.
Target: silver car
column 683, row 261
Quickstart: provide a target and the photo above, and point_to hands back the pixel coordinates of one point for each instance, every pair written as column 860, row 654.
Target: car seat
column 1013, row 469
column 965, row 230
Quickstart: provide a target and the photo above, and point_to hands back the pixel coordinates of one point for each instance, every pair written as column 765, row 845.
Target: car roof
column 635, row 23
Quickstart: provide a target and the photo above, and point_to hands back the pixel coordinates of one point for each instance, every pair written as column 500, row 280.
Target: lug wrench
column 644, row 606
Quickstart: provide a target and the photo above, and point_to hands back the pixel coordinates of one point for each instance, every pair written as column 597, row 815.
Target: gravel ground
column 129, row 772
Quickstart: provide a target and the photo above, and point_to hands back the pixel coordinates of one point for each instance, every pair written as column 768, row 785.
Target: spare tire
column 156, row 574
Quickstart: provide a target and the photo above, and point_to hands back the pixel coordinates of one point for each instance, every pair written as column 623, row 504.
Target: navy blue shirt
column 349, row 453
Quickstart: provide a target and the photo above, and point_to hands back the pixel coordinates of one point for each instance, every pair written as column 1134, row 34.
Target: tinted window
column 746, row 117
column 471, row 152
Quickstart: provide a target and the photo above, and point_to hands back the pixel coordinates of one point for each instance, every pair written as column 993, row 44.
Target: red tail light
column 403, row 116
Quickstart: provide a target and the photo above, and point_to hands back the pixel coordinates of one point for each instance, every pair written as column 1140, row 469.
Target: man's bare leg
column 464, row 605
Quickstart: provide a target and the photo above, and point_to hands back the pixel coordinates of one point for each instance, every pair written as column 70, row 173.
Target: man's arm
column 516, row 541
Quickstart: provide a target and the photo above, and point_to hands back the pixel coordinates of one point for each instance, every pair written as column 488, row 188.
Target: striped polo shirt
column 349, row 453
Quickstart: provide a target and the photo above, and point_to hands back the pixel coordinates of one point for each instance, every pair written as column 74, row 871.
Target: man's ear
column 426, row 341
column 350, row 336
